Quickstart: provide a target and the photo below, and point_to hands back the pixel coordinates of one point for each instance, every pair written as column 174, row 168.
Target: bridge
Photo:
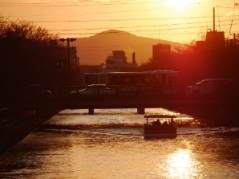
column 203, row 106
column 198, row 105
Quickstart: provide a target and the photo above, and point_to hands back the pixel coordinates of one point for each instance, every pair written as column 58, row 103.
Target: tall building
column 161, row 56
column 73, row 60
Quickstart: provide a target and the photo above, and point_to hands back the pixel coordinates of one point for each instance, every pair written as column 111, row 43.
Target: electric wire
column 162, row 27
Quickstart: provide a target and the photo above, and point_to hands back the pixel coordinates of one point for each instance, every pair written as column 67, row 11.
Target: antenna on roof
column 218, row 17
column 213, row 19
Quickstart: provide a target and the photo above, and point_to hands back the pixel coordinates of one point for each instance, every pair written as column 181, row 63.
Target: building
column 74, row 59
column 161, row 51
column 214, row 41
column 117, row 61
column 161, row 55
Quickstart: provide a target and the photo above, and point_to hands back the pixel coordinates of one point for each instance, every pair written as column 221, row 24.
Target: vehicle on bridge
column 36, row 91
column 93, row 90
column 149, row 82
column 213, row 86
column 163, row 127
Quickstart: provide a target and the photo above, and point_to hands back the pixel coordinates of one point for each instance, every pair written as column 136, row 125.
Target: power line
column 83, row 4
column 67, row 3
column 148, row 32
column 155, row 25
column 99, row 4
column 118, row 20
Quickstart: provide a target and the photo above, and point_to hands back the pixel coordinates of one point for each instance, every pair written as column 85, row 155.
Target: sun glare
column 181, row 165
column 179, row 4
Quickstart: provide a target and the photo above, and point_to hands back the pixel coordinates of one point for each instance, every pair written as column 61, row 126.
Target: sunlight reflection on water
column 111, row 116
column 182, row 165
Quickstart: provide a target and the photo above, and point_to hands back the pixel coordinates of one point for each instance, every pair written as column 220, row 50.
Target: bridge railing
column 146, row 89
column 125, row 90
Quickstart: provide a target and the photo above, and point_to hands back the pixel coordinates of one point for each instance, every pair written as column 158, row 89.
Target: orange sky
column 174, row 20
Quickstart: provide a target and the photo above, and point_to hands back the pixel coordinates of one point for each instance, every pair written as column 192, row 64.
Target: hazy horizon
column 95, row 49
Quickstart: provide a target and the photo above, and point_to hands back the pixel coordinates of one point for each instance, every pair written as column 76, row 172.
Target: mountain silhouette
column 95, row 49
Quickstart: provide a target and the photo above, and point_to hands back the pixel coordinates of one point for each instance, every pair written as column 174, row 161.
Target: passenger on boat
column 173, row 124
column 165, row 123
column 157, row 123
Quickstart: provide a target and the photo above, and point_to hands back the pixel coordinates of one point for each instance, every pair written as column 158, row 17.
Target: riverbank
column 15, row 126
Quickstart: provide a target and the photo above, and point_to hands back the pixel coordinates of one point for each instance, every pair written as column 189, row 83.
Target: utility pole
column 213, row 19
column 67, row 62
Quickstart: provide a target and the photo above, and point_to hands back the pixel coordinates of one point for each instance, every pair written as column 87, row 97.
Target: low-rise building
column 161, row 51
column 214, row 41
column 117, row 61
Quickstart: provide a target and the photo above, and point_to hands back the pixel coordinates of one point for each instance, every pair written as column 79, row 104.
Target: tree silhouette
column 28, row 55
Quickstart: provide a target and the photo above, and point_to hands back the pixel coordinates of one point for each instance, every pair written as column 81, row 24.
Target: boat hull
column 159, row 131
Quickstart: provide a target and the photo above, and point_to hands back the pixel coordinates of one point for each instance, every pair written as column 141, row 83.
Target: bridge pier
column 140, row 110
column 91, row 111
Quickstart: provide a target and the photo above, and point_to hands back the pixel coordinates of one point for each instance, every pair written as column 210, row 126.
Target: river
column 110, row 144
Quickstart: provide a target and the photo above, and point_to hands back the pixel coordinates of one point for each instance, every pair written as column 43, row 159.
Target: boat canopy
column 160, row 117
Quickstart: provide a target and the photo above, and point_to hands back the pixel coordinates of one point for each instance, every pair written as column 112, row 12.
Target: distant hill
column 95, row 49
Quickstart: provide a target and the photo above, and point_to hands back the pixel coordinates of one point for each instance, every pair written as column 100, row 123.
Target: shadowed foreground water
column 110, row 144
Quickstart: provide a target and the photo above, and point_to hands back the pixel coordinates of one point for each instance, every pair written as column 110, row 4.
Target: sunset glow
column 179, row 4
column 173, row 20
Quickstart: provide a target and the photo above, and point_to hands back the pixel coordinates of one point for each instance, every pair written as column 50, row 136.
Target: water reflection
column 181, row 165
column 110, row 145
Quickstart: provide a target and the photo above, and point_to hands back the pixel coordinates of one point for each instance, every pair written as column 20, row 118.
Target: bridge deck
column 170, row 101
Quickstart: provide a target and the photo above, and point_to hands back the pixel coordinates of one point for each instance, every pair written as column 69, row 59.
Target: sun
column 179, row 4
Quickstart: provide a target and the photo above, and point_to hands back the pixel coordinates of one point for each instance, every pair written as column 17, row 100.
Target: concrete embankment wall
column 15, row 126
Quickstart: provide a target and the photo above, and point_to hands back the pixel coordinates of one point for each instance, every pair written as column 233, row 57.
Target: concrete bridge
column 213, row 106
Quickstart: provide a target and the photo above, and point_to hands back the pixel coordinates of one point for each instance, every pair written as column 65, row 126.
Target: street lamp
column 67, row 63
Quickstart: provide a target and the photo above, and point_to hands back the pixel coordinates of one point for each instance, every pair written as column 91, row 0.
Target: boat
column 160, row 126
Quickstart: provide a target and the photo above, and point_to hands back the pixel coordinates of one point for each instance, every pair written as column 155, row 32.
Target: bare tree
column 28, row 54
